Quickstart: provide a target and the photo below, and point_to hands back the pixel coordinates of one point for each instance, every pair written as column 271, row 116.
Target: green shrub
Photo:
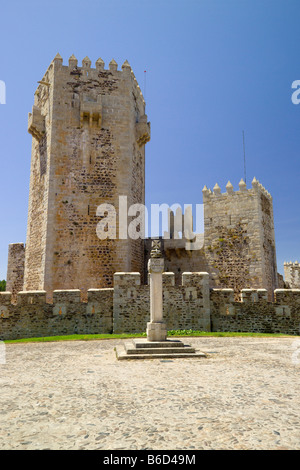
column 2, row 286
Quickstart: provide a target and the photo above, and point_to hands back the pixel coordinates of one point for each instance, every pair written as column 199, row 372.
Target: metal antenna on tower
column 244, row 157
column 145, row 72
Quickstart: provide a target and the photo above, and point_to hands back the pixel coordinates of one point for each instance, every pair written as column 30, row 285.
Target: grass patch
column 142, row 335
column 46, row 339
column 223, row 334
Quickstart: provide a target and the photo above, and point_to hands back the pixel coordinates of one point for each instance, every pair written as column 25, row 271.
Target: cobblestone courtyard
column 76, row 395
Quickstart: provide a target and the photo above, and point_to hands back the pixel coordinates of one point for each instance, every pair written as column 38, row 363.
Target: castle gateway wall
column 125, row 308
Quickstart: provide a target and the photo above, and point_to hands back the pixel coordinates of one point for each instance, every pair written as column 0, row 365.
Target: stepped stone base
column 144, row 349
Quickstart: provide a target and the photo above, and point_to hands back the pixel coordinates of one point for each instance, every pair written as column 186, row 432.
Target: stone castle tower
column 237, row 247
column 89, row 131
column 239, row 241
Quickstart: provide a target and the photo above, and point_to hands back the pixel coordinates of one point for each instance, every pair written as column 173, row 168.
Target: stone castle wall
column 292, row 274
column 32, row 316
column 184, row 307
column 125, row 308
column 255, row 313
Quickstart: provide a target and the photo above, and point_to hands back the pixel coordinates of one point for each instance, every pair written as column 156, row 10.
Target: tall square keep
column 89, row 131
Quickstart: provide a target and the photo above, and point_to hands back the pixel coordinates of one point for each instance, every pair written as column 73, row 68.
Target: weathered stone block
column 67, row 296
column 168, row 279
column 127, row 279
column 195, row 279
column 31, row 298
column 287, row 296
column 5, row 298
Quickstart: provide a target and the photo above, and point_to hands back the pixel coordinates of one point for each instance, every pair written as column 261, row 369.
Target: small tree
column 2, row 286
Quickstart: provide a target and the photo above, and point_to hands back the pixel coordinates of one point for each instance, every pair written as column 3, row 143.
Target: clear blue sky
column 214, row 69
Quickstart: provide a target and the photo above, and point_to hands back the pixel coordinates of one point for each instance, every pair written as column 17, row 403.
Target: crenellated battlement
column 257, row 188
column 40, row 298
column 86, row 71
column 32, row 316
column 125, row 308
column 292, row 264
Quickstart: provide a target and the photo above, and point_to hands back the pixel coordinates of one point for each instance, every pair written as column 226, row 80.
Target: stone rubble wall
column 32, row 316
column 126, row 308
column 255, row 313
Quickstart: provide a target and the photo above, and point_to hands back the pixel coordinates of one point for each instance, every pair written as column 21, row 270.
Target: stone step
column 130, row 349
column 144, row 343
column 122, row 355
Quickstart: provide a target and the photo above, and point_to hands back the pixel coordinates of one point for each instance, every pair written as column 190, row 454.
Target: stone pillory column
column 156, row 329
column 156, row 345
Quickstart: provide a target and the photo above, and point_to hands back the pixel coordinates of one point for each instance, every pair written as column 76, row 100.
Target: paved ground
column 76, row 395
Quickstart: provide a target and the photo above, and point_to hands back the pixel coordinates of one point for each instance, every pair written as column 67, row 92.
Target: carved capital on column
column 156, row 265
column 156, row 261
